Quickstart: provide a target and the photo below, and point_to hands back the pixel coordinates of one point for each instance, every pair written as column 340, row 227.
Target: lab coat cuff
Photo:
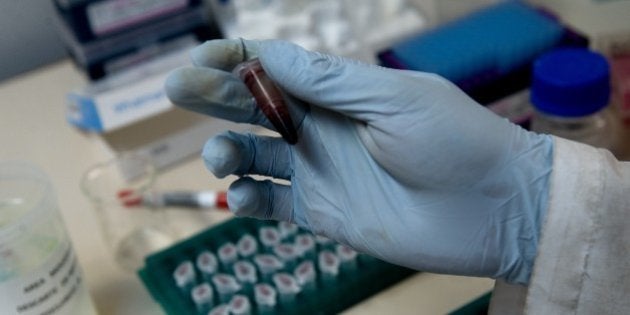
column 576, row 192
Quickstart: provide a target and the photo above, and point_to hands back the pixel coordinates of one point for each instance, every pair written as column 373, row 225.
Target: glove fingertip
column 221, row 156
column 222, row 54
column 175, row 84
column 199, row 54
column 243, row 197
column 216, row 53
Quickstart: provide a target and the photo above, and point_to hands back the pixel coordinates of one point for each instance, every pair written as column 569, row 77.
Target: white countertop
column 34, row 129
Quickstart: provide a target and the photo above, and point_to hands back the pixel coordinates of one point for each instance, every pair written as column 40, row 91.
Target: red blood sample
column 268, row 98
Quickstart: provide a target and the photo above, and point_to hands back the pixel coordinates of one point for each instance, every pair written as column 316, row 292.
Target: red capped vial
column 268, row 98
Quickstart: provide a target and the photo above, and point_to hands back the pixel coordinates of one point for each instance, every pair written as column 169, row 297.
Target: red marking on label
column 329, row 259
column 265, row 291
column 246, row 245
column 305, row 241
column 205, row 260
column 284, row 249
column 222, row 200
column 182, row 270
column 243, row 269
column 304, row 269
column 227, row 251
column 271, row 235
column 285, row 280
column 223, row 280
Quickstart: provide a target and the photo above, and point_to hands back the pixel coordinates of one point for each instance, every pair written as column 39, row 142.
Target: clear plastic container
column 570, row 92
column 39, row 271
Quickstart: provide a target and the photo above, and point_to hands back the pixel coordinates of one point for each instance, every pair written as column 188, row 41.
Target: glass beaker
column 132, row 233
column 39, row 271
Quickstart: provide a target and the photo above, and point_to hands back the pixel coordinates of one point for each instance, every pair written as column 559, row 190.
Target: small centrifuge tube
column 305, row 275
column 226, row 286
column 305, row 245
column 184, row 276
column 207, row 264
column 203, row 297
column 265, row 297
column 329, row 267
column 268, row 265
column 287, row 230
column 221, row 309
column 287, row 253
column 268, row 97
column 247, row 246
column 323, row 241
column 240, row 305
column 269, row 237
column 245, row 272
column 287, row 287
column 228, row 255
column 347, row 257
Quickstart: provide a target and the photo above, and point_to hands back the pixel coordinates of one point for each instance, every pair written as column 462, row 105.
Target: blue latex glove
column 398, row 164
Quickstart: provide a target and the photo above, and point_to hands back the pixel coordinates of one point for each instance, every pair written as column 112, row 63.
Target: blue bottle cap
column 570, row 82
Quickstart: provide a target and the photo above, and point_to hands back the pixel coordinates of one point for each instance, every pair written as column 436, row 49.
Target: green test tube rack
column 370, row 276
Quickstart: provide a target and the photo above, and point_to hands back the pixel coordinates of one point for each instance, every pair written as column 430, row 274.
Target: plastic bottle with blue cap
column 570, row 92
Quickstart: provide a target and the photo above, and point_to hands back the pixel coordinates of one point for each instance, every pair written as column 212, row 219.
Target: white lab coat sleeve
column 583, row 260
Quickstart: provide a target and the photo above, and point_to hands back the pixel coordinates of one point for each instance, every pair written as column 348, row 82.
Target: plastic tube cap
column 570, row 82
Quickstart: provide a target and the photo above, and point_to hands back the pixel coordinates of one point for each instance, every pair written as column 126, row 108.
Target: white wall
column 27, row 37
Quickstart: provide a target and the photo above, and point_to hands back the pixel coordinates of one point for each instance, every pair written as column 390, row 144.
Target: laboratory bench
column 34, row 129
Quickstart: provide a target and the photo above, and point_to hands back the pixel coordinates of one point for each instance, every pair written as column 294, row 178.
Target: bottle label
column 52, row 288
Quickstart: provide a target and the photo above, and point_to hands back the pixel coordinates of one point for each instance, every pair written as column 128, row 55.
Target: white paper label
column 108, row 16
column 52, row 288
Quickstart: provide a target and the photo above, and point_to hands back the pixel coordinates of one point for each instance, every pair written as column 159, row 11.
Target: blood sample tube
column 269, row 237
column 347, row 258
column 203, row 297
column 221, row 309
column 287, row 253
column 287, row 287
column 305, row 275
column 268, row 265
column 323, row 241
column 207, row 264
column 268, row 98
column 228, row 255
column 305, row 245
column 226, row 286
column 184, row 276
column 329, row 267
column 287, row 230
column 240, row 305
column 247, row 246
column 265, row 297
column 245, row 273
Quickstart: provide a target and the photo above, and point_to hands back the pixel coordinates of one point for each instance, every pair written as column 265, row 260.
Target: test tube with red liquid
column 268, row 98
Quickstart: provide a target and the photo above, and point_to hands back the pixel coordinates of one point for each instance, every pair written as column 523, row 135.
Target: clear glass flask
column 132, row 233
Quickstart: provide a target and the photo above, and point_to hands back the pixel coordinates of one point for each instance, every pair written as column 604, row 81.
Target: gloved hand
column 398, row 164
